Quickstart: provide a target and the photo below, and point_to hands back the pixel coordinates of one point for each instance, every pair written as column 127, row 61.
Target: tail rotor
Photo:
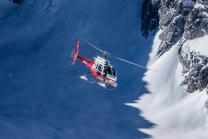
column 75, row 52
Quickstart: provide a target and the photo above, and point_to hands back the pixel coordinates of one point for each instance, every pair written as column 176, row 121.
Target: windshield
column 109, row 70
column 114, row 71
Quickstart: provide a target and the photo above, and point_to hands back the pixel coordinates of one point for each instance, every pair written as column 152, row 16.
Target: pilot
column 106, row 67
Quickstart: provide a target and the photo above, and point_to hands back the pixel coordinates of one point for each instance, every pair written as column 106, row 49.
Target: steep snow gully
column 178, row 91
column 41, row 95
column 176, row 113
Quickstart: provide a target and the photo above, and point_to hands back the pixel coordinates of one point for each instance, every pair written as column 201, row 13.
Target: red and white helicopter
column 101, row 71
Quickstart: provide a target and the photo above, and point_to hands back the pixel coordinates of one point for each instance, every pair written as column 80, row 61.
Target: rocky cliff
column 179, row 21
column 179, row 59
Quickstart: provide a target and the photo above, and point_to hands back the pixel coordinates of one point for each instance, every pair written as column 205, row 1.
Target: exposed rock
column 180, row 20
column 196, row 25
column 150, row 18
column 195, row 70
column 187, row 19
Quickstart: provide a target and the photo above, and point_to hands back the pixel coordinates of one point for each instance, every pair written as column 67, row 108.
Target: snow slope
column 176, row 113
column 41, row 94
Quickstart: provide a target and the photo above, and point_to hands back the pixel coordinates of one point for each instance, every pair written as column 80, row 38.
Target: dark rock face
column 195, row 70
column 150, row 17
column 172, row 33
column 197, row 24
column 178, row 19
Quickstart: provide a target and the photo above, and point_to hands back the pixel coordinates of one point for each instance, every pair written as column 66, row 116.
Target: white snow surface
column 199, row 45
column 199, row 6
column 176, row 113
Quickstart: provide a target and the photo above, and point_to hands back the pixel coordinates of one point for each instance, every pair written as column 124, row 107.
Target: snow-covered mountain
column 177, row 102
column 42, row 98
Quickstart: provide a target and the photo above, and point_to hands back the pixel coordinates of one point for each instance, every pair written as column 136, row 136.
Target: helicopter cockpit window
column 109, row 70
column 99, row 67
column 114, row 71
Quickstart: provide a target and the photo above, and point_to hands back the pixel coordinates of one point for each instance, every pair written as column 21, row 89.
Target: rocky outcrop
column 195, row 70
column 150, row 17
column 179, row 21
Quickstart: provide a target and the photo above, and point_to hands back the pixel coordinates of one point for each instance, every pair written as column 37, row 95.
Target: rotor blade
column 109, row 54
column 92, row 45
column 121, row 59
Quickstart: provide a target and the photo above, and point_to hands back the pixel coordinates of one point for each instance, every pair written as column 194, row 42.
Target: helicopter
column 101, row 70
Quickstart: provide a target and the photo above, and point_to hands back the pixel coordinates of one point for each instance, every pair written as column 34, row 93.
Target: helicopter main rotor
column 106, row 54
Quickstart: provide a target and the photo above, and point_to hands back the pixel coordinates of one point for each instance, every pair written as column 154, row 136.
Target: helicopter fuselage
column 101, row 70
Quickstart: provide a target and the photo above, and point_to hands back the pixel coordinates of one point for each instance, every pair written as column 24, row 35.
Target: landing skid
column 91, row 79
column 84, row 77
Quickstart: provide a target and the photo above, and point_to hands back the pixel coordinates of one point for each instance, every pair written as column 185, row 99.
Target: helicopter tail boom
column 76, row 56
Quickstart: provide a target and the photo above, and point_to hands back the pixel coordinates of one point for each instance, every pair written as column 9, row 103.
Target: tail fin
column 76, row 54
